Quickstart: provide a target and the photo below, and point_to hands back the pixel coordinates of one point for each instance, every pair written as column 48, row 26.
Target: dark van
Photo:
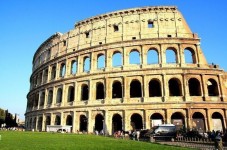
column 164, row 132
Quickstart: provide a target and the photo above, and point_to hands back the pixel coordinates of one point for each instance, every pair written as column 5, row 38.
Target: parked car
column 164, row 132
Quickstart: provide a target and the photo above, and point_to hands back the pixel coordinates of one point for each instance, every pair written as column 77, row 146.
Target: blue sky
column 25, row 24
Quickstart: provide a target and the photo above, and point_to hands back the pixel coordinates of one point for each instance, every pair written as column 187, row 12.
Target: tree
column 2, row 117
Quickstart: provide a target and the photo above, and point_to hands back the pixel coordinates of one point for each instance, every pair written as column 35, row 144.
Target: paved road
column 201, row 146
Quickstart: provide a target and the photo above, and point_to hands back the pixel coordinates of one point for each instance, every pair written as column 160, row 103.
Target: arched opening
column 212, row 87
column 117, row 59
column 42, row 99
column 174, row 87
column 116, row 123
column 34, row 123
column 152, row 56
column 189, row 56
column 99, row 121
column 135, row 89
column 154, row 88
column 84, row 92
column 156, row 119
column 71, row 94
column 50, row 97
column 45, row 76
column 40, row 121
column 177, row 119
column 136, row 122
column 69, row 120
column 171, row 56
column 57, row 120
column 73, row 67
column 194, row 87
column 48, row 120
column 101, row 61
column 83, row 123
column 30, row 123
column 116, row 90
column 62, row 70
column 53, row 72
column 59, row 95
column 198, row 122
column 99, row 91
column 87, row 64
column 134, row 57
column 36, row 101
column 218, row 124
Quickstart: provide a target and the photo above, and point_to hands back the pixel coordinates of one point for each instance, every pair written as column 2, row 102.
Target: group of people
column 134, row 134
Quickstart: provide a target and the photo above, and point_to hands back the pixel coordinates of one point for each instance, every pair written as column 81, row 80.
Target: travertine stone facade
column 88, row 77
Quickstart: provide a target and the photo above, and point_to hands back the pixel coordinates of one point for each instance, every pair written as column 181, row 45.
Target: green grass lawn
column 14, row 140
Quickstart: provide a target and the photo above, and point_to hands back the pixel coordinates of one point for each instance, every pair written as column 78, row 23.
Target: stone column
column 92, row 90
column 181, row 61
column 144, row 56
column 90, row 122
column 44, row 123
column 146, row 120
column 45, row 98
column 107, row 124
column 165, row 88
column 145, row 88
column 204, row 87
column 126, row 88
column 93, row 62
column 54, row 96
column 80, row 64
column 220, row 85
column 108, row 60
column 185, row 92
column 108, row 90
column 62, row 119
column 163, row 55
column 64, row 95
column 168, row 116
column 52, row 119
column 209, row 125
column 74, row 123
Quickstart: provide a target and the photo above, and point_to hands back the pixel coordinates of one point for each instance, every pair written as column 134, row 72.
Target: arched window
column 136, row 121
column 116, row 90
column 73, row 67
column 40, row 120
column 45, row 76
column 171, row 56
column 212, row 87
column 42, row 99
column 48, row 119
column 69, row 120
column 135, row 89
column 117, row 59
column 53, row 72
column 71, row 94
column 189, row 56
column 156, row 119
column 218, row 122
column 86, row 64
column 177, row 119
column 84, row 92
column 99, row 91
column 101, row 61
column 174, row 87
column 134, row 57
column 198, row 122
column 36, row 100
column 154, row 88
column 194, row 87
column 99, row 122
column 83, row 123
column 116, row 123
column 50, row 97
column 152, row 57
column 62, row 70
column 59, row 95
column 57, row 120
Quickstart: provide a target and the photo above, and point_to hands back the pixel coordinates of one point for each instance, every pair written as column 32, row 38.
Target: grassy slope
column 39, row 141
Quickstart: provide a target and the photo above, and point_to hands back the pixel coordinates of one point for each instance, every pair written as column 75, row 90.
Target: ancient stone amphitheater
column 128, row 69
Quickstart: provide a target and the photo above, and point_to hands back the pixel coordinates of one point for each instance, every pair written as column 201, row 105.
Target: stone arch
column 135, row 89
column 42, row 98
column 34, row 124
column 116, row 89
column 53, row 72
column 156, row 119
column 116, row 123
column 59, row 95
column 86, row 64
column 71, row 93
column 212, row 87
column 100, row 61
column 45, row 75
column 99, row 122
column 83, row 123
column 48, row 120
column 171, row 55
column 178, row 119
column 100, row 91
column 189, row 55
column 57, row 120
column 152, row 56
column 50, row 97
column 134, row 57
column 155, row 88
column 175, row 87
column 40, row 121
column 136, row 121
column 218, row 122
column 198, row 122
column 62, row 70
column 194, row 87
column 84, row 92
column 73, row 67
column 69, row 120
column 117, row 59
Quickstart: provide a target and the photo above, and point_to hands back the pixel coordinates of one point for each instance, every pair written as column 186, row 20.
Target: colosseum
column 124, row 70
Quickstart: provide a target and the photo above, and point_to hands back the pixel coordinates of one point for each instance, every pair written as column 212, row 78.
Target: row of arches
column 153, row 57
column 135, row 90
column 136, row 121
